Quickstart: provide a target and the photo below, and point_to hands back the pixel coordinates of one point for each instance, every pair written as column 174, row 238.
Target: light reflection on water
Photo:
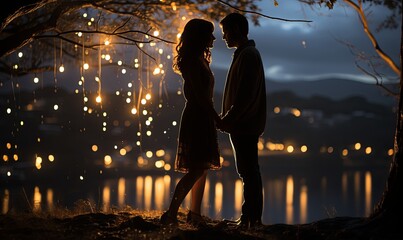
column 289, row 197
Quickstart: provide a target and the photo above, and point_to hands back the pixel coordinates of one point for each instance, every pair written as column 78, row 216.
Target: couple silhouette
column 243, row 117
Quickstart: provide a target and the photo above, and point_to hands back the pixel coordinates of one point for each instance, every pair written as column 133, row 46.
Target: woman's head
column 195, row 41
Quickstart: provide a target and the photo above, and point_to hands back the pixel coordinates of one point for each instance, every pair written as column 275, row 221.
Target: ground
column 136, row 224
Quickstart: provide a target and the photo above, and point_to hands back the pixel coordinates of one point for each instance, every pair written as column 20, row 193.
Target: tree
column 35, row 25
column 389, row 207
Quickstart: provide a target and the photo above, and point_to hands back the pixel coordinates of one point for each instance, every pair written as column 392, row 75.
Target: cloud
column 302, row 28
column 273, row 71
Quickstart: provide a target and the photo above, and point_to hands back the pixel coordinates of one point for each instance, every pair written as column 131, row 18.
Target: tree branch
column 371, row 37
column 262, row 15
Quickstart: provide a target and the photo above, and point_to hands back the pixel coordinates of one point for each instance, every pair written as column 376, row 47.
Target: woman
column 197, row 145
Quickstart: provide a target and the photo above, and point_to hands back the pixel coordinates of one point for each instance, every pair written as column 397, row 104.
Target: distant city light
column 149, row 154
column 107, row 160
column 160, row 153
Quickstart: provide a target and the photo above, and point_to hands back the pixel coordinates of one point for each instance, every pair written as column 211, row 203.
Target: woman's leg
column 182, row 189
column 197, row 194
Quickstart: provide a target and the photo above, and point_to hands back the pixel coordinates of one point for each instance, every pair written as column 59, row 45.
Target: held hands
column 221, row 125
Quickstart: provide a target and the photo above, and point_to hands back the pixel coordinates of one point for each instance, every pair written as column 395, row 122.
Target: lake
column 293, row 193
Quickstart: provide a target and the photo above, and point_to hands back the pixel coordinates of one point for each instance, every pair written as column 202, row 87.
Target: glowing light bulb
column 61, row 68
column 156, row 71
column 98, row 99
column 86, row 66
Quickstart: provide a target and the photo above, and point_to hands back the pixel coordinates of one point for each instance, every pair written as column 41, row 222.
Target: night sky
column 310, row 51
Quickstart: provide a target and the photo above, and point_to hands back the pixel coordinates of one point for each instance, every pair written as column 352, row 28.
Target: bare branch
column 262, row 15
column 378, row 82
column 381, row 53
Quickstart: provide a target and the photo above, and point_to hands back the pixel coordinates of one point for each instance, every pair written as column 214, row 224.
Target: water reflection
column 37, row 200
column 218, row 199
column 288, row 198
column 6, row 201
column 289, row 210
column 303, row 204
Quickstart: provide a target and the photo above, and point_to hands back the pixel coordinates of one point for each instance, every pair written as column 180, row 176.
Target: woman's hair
column 193, row 42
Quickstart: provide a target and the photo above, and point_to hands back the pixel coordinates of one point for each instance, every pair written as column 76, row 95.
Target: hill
column 335, row 89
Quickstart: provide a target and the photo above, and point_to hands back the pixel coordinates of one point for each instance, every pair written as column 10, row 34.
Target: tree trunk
column 391, row 203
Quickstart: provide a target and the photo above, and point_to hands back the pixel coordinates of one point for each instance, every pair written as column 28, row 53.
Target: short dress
column 197, row 142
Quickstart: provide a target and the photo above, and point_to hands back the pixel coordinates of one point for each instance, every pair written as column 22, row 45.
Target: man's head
column 235, row 29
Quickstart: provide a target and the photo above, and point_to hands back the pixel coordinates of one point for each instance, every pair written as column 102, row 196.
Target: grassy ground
column 85, row 222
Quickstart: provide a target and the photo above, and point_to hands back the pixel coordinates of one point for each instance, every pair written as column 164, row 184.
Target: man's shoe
column 256, row 224
column 240, row 223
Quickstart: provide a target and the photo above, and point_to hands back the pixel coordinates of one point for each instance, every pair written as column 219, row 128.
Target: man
column 244, row 113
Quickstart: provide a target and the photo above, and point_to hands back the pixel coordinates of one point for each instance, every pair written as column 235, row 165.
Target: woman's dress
column 197, row 141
